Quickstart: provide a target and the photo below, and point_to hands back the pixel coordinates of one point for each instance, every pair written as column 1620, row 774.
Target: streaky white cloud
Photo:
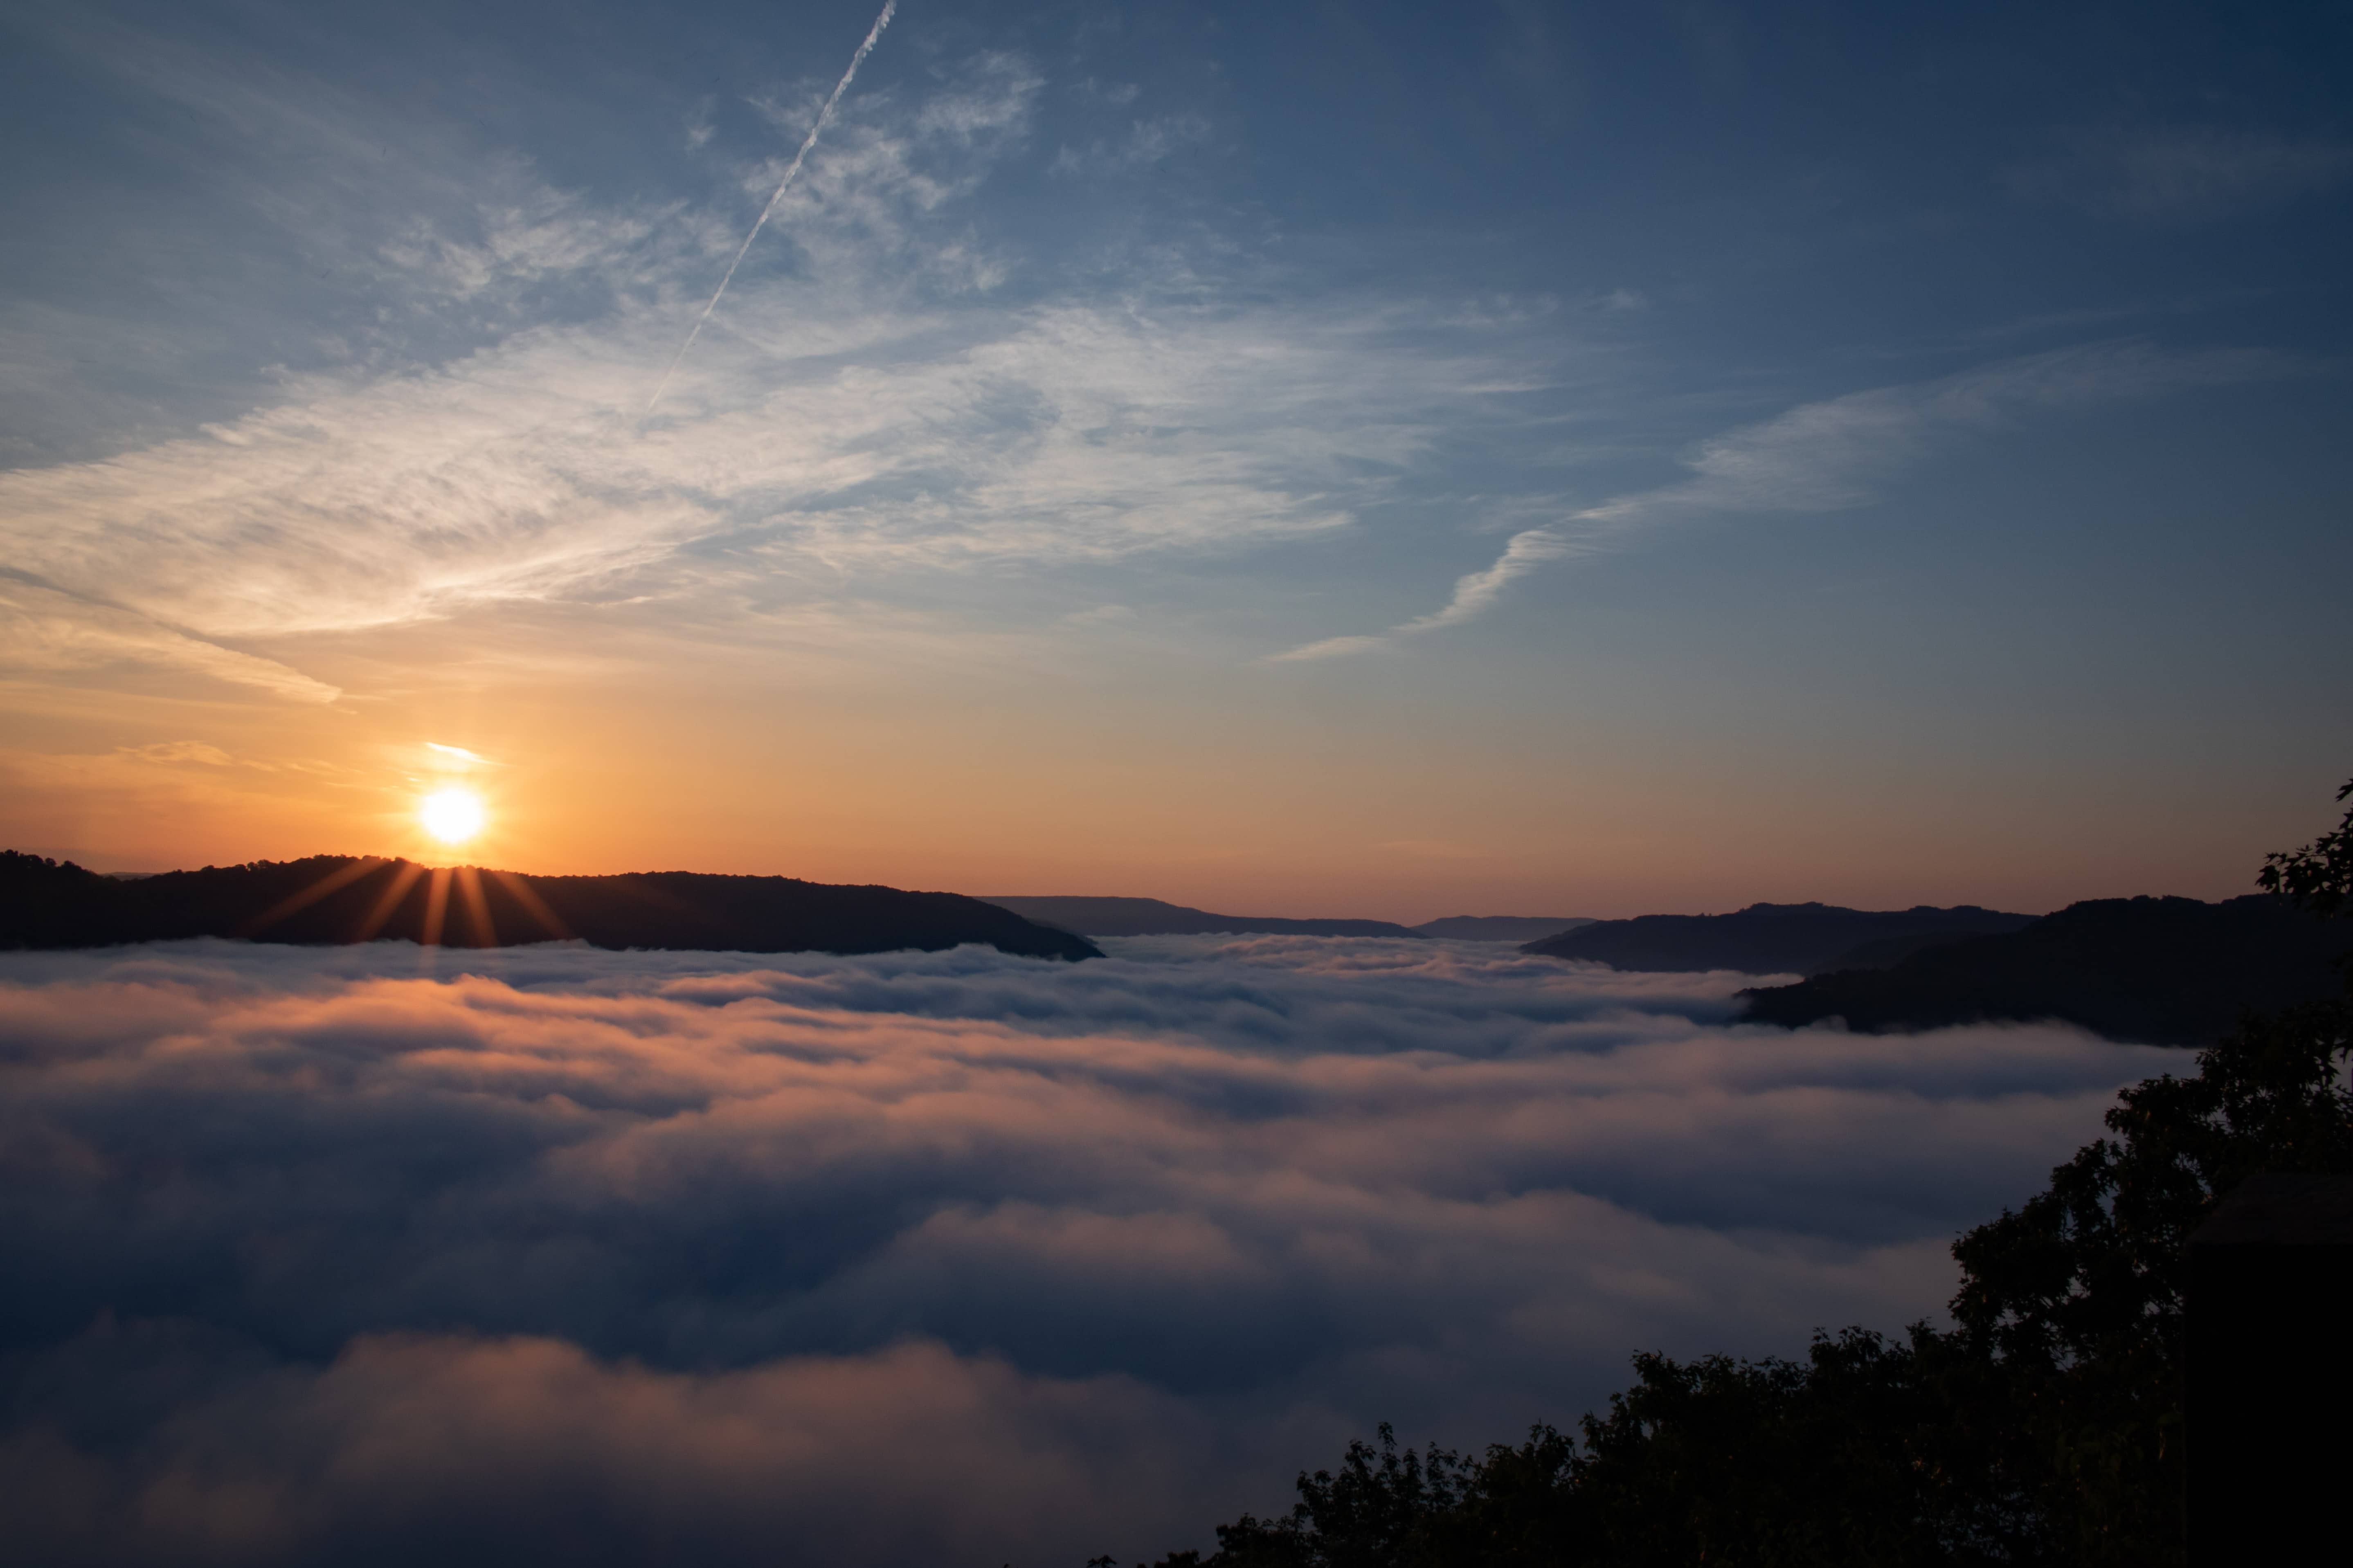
column 1125, row 1240
column 1145, row 144
column 784, row 183
column 425, row 232
column 867, row 407
column 44, row 630
column 1058, row 434
column 891, row 194
column 1833, row 456
column 514, row 232
column 1475, row 593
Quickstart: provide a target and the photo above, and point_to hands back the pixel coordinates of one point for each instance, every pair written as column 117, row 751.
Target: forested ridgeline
column 2163, row 971
column 1773, row 939
column 335, row 898
column 2043, row 1428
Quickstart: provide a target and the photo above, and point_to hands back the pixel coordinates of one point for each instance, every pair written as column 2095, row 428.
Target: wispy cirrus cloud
column 875, row 402
column 44, row 630
column 1473, row 595
column 1145, row 144
column 861, row 442
column 818, row 123
column 1833, row 456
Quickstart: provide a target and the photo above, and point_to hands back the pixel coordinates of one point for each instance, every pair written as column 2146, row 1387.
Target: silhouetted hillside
column 2171, row 972
column 1773, row 939
column 1502, row 928
column 334, row 899
column 1150, row 917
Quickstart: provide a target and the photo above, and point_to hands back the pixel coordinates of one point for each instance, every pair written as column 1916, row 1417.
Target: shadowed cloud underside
column 337, row 1259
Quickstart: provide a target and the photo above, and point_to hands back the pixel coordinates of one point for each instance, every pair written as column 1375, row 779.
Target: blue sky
column 1340, row 459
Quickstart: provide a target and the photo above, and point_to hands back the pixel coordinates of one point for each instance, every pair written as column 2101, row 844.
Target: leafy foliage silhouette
column 2043, row 1428
column 2320, row 875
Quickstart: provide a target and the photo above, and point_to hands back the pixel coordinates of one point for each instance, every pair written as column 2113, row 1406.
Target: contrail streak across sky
column 874, row 36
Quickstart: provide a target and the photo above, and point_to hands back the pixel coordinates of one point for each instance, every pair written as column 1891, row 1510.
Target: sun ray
column 437, row 906
column 332, row 882
column 478, row 907
column 528, row 897
column 401, row 881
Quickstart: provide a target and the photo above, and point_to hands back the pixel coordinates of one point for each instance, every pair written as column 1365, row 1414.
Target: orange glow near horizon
column 951, row 787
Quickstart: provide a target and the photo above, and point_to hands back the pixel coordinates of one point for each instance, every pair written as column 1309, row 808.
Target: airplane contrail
column 874, row 36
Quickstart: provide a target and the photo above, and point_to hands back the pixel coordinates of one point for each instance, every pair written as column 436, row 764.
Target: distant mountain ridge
column 1775, row 938
column 1153, row 917
column 1502, row 928
column 331, row 899
column 2159, row 971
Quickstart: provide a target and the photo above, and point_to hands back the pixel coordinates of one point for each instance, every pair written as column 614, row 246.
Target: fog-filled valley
column 373, row 1253
column 875, row 784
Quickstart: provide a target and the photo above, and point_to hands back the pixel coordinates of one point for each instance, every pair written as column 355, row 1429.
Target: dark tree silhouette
column 2320, row 875
column 2163, row 971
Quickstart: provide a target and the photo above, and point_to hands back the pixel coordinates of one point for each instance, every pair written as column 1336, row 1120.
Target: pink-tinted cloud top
column 317, row 1256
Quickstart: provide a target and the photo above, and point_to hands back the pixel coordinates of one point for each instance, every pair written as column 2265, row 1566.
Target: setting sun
column 452, row 815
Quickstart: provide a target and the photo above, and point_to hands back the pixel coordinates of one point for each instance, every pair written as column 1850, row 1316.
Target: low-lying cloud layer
column 332, row 1255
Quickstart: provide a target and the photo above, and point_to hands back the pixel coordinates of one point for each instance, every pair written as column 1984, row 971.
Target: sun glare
column 452, row 815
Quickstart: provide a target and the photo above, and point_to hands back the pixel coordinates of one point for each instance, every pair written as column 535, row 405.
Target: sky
column 381, row 1255
column 1382, row 460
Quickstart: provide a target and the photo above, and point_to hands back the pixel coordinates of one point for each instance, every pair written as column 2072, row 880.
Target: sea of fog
column 373, row 1255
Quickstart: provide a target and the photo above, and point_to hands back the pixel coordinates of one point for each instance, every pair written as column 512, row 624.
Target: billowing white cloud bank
column 367, row 1254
